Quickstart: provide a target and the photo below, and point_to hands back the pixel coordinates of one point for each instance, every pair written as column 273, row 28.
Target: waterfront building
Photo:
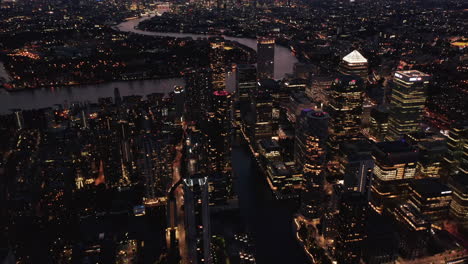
column 217, row 63
column 310, row 158
column 298, row 101
column 179, row 101
column 199, row 88
column 217, row 128
column 310, row 141
column 246, row 81
column 269, row 149
column 265, row 57
column 197, row 218
column 351, row 221
column 356, row 165
column 431, row 155
column 262, row 104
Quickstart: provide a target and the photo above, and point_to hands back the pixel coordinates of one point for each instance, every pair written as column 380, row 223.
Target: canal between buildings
column 267, row 220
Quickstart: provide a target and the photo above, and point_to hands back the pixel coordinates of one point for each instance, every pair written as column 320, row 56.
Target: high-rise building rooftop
column 412, row 76
column 355, row 57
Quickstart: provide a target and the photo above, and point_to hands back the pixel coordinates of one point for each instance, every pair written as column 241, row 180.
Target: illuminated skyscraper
column 265, row 57
column 262, row 104
column 179, row 101
column 309, row 156
column 345, row 109
column 407, row 103
column 354, row 64
column 246, row 76
column 431, row 199
column 217, row 64
column 199, row 88
column 197, row 218
column 459, row 204
column 395, row 165
column 378, row 123
column 356, row 165
column 456, row 159
column 310, row 141
column 217, row 127
column 351, row 223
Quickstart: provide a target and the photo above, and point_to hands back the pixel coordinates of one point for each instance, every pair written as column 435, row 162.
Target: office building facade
column 265, row 57
column 407, row 103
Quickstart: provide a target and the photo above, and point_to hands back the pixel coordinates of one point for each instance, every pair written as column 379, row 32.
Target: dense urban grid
column 331, row 132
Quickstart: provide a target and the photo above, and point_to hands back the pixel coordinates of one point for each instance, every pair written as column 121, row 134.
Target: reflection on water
column 45, row 97
column 267, row 220
column 284, row 58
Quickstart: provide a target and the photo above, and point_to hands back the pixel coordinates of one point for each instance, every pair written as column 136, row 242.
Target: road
column 179, row 198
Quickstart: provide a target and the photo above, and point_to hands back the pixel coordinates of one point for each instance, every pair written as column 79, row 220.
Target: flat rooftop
column 430, row 187
column 394, row 146
column 412, row 76
column 269, row 144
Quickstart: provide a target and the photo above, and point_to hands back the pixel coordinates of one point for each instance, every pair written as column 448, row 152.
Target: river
column 284, row 58
column 268, row 221
column 38, row 98
column 45, row 97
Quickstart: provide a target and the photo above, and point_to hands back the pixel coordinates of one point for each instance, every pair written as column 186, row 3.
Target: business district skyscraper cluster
column 350, row 163
column 372, row 183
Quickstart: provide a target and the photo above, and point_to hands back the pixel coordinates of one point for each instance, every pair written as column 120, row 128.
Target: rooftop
column 300, row 97
column 269, row 144
column 279, row 168
column 412, row 76
column 459, row 183
column 265, row 40
column 355, row 57
column 430, row 187
column 395, row 152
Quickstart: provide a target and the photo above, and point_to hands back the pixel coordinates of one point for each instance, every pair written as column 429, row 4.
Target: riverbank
column 58, row 86
column 4, row 75
column 48, row 97
column 269, row 222
column 284, row 57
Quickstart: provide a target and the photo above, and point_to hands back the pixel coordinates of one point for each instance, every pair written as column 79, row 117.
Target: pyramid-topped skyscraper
column 354, row 64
